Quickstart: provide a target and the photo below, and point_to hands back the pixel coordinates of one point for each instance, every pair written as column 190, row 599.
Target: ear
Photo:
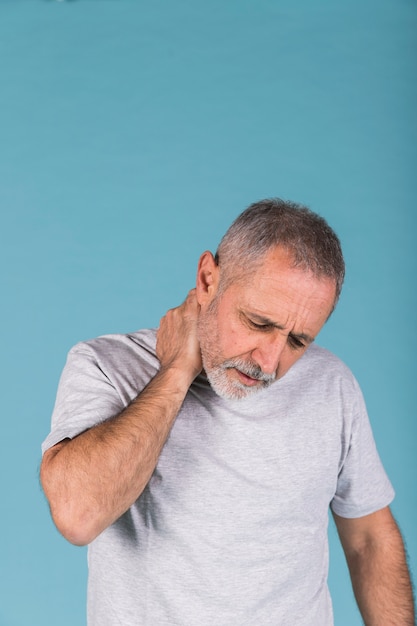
column 207, row 278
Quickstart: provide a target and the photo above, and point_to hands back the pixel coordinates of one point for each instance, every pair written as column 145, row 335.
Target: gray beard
column 234, row 389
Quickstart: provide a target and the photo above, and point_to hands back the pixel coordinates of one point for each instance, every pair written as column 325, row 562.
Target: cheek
column 233, row 339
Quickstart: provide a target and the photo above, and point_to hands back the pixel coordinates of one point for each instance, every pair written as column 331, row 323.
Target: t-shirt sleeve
column 85, row 397
column 363, row 486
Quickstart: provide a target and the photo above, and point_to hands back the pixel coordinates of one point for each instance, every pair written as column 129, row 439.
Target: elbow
column 72, row 527
column 73, row 521
column 70, row 514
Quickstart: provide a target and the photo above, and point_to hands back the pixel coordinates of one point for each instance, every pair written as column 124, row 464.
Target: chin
column 228, row 389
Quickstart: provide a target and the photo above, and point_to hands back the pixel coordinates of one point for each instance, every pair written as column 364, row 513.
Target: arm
column 91, row 480
column 376, row 558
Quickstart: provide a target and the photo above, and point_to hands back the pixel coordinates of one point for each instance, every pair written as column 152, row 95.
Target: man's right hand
column 177, row 344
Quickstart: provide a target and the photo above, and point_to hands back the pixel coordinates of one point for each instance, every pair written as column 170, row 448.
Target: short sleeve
column 363, row 486
column 85, row 397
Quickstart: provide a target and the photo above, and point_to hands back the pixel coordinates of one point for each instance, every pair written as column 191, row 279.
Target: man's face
column 253, row 332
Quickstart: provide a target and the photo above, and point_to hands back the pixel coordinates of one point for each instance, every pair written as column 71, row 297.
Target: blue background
column 131, row 134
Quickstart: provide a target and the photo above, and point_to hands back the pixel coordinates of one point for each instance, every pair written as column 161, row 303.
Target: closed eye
column 295, row 343
column 261, row 327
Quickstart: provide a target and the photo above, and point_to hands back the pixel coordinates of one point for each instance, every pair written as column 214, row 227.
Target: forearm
column 94, row 478
column 381, row 581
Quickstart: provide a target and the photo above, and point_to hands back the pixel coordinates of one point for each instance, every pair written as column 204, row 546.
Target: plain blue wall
column 131, row 134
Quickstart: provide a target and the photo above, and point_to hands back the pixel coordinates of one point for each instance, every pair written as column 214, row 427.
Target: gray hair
column 266, row 224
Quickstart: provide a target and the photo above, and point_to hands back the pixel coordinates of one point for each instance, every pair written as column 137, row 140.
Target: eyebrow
column 267, row 322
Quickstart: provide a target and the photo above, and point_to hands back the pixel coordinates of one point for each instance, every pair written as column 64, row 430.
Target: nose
column 268, row 352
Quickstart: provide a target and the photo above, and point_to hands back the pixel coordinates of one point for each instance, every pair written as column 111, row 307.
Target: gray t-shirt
column 231, row 529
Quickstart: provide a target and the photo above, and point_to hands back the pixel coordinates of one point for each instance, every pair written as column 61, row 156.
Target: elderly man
column 199, row 461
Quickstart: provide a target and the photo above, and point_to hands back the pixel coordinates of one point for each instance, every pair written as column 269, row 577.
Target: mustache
column 250, row 369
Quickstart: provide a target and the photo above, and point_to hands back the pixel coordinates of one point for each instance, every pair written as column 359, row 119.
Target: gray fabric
column 232, row 527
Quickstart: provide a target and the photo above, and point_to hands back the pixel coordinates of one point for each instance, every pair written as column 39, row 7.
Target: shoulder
column 118, row 346
column 318, row 353
column 111, row 365
column 321, row 364
column 120, row 358
column 325, row 378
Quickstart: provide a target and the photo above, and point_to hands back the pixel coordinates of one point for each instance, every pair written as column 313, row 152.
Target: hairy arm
column 93, row 479
column 376, row 558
